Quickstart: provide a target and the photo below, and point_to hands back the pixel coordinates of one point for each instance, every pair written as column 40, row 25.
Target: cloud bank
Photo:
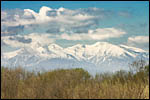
column 97, row 34
column 61, row 23
column 139, row 41
column 26, row 27
column 52, row 21
column 32, row 40
column 49, row 20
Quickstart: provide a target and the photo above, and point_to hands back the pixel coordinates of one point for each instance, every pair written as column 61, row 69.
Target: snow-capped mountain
column 101, row 56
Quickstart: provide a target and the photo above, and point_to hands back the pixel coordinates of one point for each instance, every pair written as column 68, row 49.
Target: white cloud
column 52, row 24
column 139, row 41
column 79, row 20
column 31, row 40
column 98, row 34
column 34, row 40
column 82, row 17
column 45, row 15
column 4, row 15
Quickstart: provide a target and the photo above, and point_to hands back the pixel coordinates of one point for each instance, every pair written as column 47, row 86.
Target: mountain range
column 95, row 58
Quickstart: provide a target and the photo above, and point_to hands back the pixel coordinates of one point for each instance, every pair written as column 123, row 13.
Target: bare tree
column 137, row 66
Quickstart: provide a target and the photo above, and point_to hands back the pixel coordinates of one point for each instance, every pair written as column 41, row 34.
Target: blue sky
column 75, row 4
column 129, row 18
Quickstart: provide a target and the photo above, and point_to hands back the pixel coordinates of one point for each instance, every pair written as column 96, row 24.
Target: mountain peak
column 54, row 46
column 101, row 43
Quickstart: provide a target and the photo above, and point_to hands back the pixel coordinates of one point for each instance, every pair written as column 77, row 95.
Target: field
column 73, row 84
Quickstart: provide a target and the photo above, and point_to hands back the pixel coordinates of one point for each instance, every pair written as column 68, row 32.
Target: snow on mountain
column 99, row 52
column 132, row 48
column 20, row 57
column 101, row 55
column 9, row 55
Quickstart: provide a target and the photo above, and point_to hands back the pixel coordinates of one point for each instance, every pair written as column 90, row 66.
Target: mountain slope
column 101, row 56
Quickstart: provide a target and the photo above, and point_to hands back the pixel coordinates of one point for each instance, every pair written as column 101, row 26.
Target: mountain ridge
column 98, row 54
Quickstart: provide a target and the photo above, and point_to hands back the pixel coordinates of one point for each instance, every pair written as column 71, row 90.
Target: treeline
column 74, row 84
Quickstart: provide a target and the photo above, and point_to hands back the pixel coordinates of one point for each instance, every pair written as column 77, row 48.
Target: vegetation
column 74, row 84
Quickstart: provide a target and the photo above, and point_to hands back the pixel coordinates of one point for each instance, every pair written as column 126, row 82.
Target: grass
column 73, row 84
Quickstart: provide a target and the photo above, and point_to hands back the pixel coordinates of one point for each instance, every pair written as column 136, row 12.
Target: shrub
column 73, row 84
